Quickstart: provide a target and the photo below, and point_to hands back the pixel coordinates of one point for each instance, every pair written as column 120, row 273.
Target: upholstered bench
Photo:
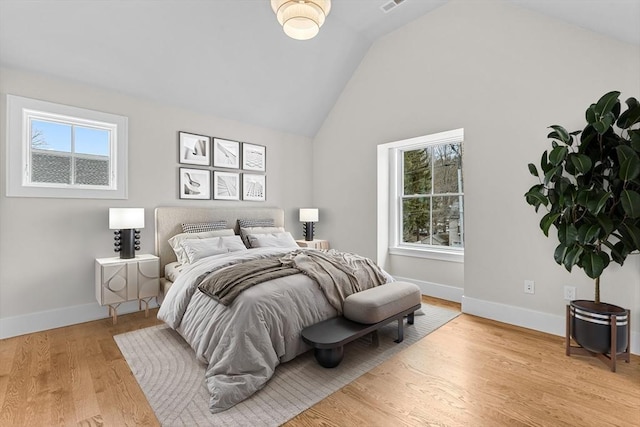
column 363, row 313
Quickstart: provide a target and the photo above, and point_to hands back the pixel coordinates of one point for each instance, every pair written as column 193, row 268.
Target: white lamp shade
column 309, row 215
column 301, row 19
column 123, row 218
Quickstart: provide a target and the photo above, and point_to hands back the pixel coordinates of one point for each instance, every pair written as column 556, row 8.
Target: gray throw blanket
column 226, row 284
column 339, row 274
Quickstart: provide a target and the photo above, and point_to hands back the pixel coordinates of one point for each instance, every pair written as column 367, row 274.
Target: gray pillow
column 204, row 226
column 265, row 222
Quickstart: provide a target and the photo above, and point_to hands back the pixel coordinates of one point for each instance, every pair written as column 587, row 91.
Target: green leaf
column 583, row 197
column 572, row 257
column 635, row 139
column 630, row 236
column 625, row 152
column 630, row 203
column 547, row 221
column 560, row 253
column 606, row 103
column 560, row 134
column 629, row 117
column 629, row 168
column 606, row 224
column 581, row 162
column 632, row 102
column 544, row 163
column 597, row 203
column 594, row 263
column 558, row 155
column 605, row 122
column 629, row 162
column 588, row 135
column 548, row 176
column 535, row 196
column 590, row 114
column 587, row 233
column 533, row 170
column 567, row 234
column 619, row 252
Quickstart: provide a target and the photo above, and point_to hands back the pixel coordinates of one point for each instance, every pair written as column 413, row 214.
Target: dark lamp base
column 127, row 242
column 307, row 231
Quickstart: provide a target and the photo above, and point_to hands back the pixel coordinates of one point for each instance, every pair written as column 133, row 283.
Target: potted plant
column 590, row 187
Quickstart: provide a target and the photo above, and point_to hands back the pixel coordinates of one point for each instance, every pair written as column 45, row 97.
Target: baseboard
column 50, row 319
column 436, row 290
column 531, row 319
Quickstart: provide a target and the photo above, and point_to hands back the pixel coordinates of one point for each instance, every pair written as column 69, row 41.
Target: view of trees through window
column 432, row 199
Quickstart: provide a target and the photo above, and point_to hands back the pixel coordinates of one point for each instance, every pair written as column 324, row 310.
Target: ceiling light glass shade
column 308, row 215
column 301, row 19
column 124, row 218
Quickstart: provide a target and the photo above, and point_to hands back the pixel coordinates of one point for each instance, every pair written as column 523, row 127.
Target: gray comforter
column 244, row 342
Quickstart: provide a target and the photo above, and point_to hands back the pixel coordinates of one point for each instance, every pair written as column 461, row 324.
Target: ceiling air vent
column 390, row 5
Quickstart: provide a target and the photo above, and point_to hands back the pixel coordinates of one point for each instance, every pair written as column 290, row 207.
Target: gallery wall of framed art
column 220, row 168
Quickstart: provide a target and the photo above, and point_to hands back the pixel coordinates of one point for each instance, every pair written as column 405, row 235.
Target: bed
column 243, row 341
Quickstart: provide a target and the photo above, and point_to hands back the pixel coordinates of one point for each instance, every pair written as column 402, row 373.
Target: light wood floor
column 470, row 372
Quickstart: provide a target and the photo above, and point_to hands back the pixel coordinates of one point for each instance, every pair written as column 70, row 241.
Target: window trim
column 395, row 246
column 21, row 110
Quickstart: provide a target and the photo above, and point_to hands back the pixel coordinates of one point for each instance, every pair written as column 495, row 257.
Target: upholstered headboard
column 169, row 221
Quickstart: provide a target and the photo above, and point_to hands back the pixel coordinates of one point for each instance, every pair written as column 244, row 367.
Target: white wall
column 48, row 246
column 503, row 74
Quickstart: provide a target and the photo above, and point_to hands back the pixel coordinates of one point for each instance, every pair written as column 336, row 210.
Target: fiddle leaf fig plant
column 589, row 184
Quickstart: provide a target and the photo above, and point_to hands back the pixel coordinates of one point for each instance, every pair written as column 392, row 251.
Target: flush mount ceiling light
column 301, row 19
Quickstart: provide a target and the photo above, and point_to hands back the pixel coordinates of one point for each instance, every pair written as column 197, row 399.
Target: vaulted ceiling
column 230, row 58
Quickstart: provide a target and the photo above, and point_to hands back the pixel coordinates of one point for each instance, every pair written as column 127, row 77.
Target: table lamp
column 126, row 221
column 308, row 216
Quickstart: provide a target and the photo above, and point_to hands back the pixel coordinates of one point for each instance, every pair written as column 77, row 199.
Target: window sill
column 441, row 255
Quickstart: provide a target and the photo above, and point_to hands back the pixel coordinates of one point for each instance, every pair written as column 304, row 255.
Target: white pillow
column 196, row 249
column 176, row 241
column 272, row 240
column 233, row 243
column 245, row 231
column 200, row 248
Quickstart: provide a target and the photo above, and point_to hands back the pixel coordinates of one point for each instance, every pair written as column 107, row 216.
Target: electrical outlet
column 569, row 293
column 529, row 287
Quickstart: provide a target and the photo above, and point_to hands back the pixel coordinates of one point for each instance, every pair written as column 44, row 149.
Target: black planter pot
column 591, row 326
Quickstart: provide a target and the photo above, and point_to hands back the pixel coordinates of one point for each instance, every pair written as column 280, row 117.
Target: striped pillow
column 204, row 226
column 247, row 223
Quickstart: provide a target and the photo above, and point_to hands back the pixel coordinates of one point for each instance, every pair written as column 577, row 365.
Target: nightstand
column 313, row 244
column 120, row 280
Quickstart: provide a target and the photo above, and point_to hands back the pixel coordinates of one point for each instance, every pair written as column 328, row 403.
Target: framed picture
column 253, row 157
column 194, row 149
column 226, row 154
column 195, row 184
column 226, row 185
column 254, row 187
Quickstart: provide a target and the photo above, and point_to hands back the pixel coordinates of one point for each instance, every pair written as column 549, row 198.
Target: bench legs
column 410, row 320
column 329, row 357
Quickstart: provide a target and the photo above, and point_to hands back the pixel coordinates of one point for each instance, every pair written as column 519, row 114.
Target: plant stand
column 609, row 359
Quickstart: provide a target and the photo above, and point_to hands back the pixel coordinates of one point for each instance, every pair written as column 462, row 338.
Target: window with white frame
column 427, row 197
column 62, row 151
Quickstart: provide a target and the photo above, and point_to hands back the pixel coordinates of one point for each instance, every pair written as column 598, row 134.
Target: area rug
column 173, row 380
